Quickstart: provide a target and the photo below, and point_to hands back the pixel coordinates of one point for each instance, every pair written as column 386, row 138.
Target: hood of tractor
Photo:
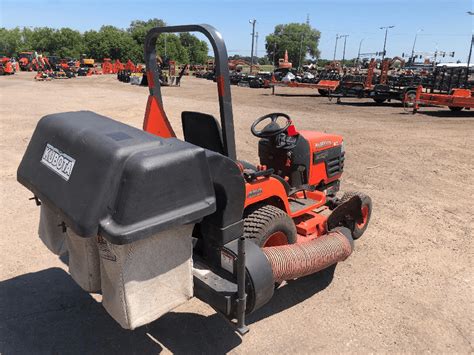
column 321, row 141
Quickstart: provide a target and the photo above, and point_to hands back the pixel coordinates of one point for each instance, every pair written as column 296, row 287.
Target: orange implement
column 457, row 100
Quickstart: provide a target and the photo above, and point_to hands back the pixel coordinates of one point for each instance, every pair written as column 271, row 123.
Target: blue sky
column 445, row 23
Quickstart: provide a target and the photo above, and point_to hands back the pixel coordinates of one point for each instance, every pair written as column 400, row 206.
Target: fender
column 264, row 188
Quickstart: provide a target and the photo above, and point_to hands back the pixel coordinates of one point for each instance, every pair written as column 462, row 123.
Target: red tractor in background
column 107, row 67
column 7, row 67
column 117, row 66
column 28, row 60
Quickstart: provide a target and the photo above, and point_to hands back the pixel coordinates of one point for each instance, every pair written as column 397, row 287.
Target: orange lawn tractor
column 117, row 66
column 28, row 61
column 129, row 66
column 6, row 66
column 107, row 67
column 144, row 209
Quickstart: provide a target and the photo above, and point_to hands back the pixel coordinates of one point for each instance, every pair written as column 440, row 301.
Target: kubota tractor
column 28, row 60
column 6, row 66
column 151, row 220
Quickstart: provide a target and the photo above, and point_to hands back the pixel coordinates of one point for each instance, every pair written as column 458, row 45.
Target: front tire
column 268, row 225
column 357, row 228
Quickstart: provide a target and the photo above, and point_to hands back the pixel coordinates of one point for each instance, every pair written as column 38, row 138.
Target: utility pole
column 256, row 47
column 335, row 47
column 469, row 59
column 413, row 48
column 301, row 48
column 165, row 44
column 252, row 22
column 358, row 53
column 344, row 50
column 385, row 40
column 274, row 52
column 470, row 53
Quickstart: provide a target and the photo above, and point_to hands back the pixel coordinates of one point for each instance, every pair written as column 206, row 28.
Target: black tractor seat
column 204, row 131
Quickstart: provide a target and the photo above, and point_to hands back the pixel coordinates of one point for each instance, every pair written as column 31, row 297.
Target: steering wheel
column 272, row 128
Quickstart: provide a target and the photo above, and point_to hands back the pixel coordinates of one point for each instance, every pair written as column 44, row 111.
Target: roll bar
column 222, row 78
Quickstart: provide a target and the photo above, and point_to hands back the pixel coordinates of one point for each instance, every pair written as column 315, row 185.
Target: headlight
column 342, row 147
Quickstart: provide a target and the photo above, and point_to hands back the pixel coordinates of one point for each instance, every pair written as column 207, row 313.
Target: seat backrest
column 202, row 130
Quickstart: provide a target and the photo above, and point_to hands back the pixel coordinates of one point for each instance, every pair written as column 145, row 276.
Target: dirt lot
column 408, row 287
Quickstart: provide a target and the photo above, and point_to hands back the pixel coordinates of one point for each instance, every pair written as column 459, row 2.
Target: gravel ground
column 408, row 286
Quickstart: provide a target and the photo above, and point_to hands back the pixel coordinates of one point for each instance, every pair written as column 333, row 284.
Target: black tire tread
column 259, row 220
column 357, row 233
column 350, row 194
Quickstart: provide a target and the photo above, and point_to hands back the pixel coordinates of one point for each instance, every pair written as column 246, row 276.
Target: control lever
column 251, row 176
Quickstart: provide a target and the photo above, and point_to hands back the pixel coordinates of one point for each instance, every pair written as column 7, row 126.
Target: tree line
column 107, row 42
column 299, row 39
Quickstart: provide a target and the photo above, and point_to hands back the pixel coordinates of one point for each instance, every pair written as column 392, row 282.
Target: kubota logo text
column 59, row 162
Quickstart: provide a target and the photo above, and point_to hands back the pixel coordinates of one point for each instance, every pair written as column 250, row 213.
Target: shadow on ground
column 295, row 95
column 46, row 312
column 369, row 103
column 294, row 292
column 446, row 113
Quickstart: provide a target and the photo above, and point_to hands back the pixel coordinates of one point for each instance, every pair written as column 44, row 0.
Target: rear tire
column 268, row 225
column 379, row 100
column 455, row 108
column 356, row 228
column 323, row 92
column 410, row 96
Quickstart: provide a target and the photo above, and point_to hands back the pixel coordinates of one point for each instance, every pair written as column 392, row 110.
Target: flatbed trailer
column 457, row 100
column 365, row 86
column 323, row 85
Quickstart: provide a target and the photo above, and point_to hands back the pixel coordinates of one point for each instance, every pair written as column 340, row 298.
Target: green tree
column 110, row 42
column 197, row 49
column 68, row 43
column 138, row 29
column 264, row 61
column 27, row 43
column 41, row 39
column 298, row 39
column 10, row 41
column 185, row 48
column 174, row 49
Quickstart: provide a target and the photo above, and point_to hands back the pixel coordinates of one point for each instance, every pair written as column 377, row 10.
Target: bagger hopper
column 150, row 220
